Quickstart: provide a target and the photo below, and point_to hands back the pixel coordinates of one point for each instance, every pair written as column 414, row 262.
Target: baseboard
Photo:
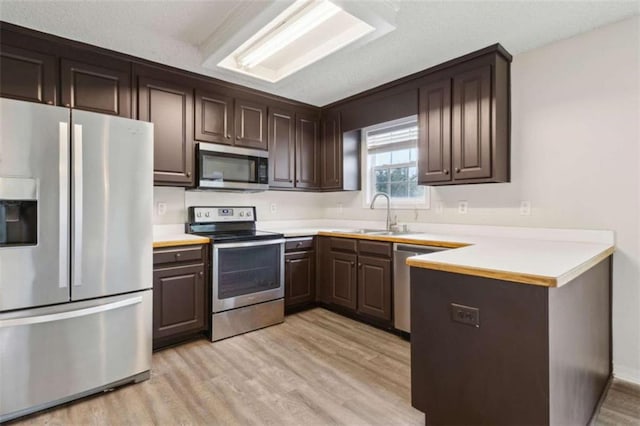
column 603, row 396
column 627, row 374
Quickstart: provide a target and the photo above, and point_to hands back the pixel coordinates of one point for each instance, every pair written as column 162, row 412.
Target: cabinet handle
column 201, row 273
column 290, row 180
column 353, row 264
column 359, row 265
column 67, row 105
column 228, row 136
column 287, row 261
column 457, row 170
column 178, row 255
column 49, row 102
column 446, row 171
column 188, row 174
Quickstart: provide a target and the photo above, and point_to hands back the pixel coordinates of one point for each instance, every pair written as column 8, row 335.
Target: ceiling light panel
column 304, row 33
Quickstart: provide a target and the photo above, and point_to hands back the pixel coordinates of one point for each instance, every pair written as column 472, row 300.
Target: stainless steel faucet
column 385, row 195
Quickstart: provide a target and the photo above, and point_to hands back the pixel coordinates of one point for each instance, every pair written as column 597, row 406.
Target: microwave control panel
column 222, row 214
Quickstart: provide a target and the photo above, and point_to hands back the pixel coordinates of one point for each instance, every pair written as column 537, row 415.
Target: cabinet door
column 281, row 148
column 169, row 106
column 374, row 287
column 179, row 302
column 299, row 278
column 471, row 124
column 331, row 153
column 434, row 140
column 307, row 151
column 343, row 279
column 27, row 75
column 251, row 124
column 96, row 88
column 214, row 118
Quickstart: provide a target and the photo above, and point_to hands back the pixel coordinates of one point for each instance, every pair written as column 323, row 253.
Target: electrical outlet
column 273, row 208
column 465, row 314
column 161, row 208
column 525, row 208
column 463, row 206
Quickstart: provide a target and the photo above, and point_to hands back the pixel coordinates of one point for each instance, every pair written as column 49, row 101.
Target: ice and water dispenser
column 18, row 212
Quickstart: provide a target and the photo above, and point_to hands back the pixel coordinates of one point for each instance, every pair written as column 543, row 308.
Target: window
column 392, row 163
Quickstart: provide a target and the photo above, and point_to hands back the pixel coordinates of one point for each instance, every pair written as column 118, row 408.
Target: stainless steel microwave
column 232, row 168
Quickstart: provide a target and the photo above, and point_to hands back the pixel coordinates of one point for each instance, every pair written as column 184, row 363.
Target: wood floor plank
column 318, row 368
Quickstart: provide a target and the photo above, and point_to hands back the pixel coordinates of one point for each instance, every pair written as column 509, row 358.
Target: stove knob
column 198, row 214
column 241, row 214
column 207, row 214
column 249, row 214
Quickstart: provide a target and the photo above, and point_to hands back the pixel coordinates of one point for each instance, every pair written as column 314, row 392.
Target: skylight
column 302, row 34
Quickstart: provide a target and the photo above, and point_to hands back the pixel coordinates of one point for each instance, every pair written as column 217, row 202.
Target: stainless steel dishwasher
column 401, row 296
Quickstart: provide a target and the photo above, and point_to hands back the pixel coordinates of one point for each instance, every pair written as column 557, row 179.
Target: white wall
column 575, row 157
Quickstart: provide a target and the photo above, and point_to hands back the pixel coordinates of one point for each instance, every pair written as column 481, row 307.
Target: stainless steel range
column 247, row 269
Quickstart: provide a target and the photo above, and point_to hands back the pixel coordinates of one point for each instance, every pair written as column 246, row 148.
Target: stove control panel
column 222, row 214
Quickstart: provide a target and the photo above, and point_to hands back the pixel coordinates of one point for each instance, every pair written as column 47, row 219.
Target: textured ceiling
column 428, row 32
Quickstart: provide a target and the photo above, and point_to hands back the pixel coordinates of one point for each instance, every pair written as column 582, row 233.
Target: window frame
column 368, row 181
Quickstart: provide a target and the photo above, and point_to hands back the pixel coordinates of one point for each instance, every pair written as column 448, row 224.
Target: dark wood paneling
column 471, row 124
column 179, row 300
column 307, row 151
column 169, row 106
column 27, row 75
column 300, row 278
column 299, row 245
column 101, row 89
column 251, row 124
column 496, row 373
column 374, row 287
column 178, row 254
column 579, row 345
column 213, row 117
column 343, row 279
column 331, row 152
column 343, row 244
column 323, row 281
column 282, row 147
column 351, row 161
column 434, row 140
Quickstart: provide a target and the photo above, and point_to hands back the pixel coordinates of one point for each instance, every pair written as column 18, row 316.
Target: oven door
column 247, row 273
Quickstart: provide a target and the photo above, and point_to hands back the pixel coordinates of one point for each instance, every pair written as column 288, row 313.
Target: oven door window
column 247, row 270
column 228, row 167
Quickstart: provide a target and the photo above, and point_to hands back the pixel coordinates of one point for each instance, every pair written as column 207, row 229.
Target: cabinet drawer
column 344, row 244
column 375, row 248
column 299, row 244
column 178, row 254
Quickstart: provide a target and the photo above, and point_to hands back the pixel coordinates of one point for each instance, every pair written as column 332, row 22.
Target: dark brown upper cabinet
column 434, row 142
column 101, row 89
column 282, row 145
column 250, row 124
column 27, row 75
column 214, row 118
column 331, row 153
column 464, row 124
column 169, row 106
column 307, row 151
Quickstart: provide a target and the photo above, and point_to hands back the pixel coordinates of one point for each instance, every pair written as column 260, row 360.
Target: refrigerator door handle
column 63, row 238
column 77, row 205
column 38, row 319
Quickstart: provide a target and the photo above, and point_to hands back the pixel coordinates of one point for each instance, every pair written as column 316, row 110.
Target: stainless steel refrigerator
column 76, row 197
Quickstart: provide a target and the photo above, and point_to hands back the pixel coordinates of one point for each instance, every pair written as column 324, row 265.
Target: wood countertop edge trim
column 580, row 269
column 393, row 239
column 175, row 243
column 515, row 277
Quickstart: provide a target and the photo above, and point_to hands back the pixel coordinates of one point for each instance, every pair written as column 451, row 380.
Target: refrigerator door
column 112, row 192
column 34, row 204
column 62, row 352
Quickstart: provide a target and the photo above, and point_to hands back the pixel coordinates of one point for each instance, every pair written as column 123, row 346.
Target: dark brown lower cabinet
column 355, row 277
column 374, row 287
column 300, row 282
column 343, row 279
column 180, row 292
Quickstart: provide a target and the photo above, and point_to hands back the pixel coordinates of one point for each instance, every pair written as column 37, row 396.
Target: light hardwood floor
column 317, row 368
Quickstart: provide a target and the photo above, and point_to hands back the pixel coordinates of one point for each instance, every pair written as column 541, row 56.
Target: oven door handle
column 248, row 243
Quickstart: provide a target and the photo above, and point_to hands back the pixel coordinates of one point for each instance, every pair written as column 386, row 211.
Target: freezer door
column 53, row 354
column 112, row 192
column 34, row 204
